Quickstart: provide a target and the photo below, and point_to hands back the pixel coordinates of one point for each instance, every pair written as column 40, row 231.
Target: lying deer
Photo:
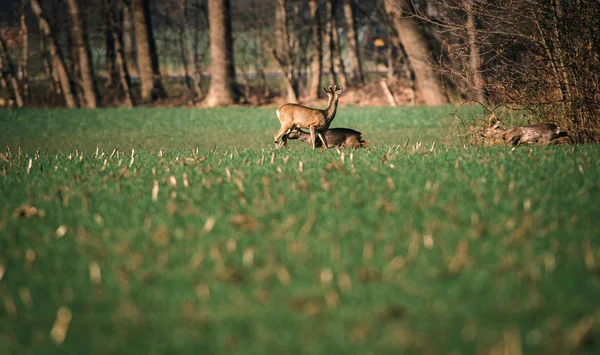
column 335, row 137
column 538, row 133
column 293, row 116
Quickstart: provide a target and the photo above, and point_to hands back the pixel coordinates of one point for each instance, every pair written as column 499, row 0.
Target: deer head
column 333, row 91
column 493, row 130
column 334, row 94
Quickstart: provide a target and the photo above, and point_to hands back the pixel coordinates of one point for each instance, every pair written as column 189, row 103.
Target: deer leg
column 313, row 138
column 320, row 134
column 285, row 129
column 284, row 140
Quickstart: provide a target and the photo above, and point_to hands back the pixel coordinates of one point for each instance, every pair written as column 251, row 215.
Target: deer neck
column 331, row 110
column 506, row 133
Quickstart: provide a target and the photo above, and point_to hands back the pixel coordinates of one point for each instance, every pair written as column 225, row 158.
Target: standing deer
column 335, row 137
column 538, row 133
column 293, row 116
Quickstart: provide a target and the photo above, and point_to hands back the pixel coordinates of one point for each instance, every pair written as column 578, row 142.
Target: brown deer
column 294, row 116
column 546, row 133
column 335, row 137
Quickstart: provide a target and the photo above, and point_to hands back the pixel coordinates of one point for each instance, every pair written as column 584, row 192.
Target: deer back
column 335, row 137
column 300, row 116
column 344, row 137
column 542, row 133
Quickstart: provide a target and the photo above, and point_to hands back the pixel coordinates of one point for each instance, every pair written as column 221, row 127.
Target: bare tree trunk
column 24, row 55
column 340, row 68
column 3, row 82
column 187, row 53
column 427, row 80
column 8, row 71
column 389, row 56
column 183, row 54
column 551, row 45
column 124, row 78
column 221, row 92
column 197, row 64
column 475, row 77
column 126, row 32
column 115, row 31
column 192, row 53
column 261, row 62
column 282, row 51
column 111, row 60
column 317, row 60
column 353, row 52
column 86, row 70
column 57, row 60
column 147, row 58
column 329, row 44
column 72, row 64
column 48, row 69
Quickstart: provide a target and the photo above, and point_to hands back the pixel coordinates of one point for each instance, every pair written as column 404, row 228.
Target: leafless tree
column 317, row 59
column 284, row 48
column 111, row 56
column 474, row 71
column 83, row 57
column 329, row 43
column 538, row 55
column 222, row 70
column 338, row 61
column 23, row 72
column 147, row 56
column 8, row 74
column 58, row 64
column 428, row 81
column 115, row 32
column 353, row 50
column 126, row 31
column 188, row 31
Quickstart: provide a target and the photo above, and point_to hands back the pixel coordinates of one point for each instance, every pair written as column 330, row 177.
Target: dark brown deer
column 294, row 116
column 546, row 133
column 335, row 137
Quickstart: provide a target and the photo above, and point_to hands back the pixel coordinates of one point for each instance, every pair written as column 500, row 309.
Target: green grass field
column 431, row 250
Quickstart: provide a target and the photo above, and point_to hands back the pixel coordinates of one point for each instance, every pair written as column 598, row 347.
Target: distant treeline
column 540, row 55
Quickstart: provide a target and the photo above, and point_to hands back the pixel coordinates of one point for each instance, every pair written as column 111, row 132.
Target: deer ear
column 324, row 89
column 495, row 123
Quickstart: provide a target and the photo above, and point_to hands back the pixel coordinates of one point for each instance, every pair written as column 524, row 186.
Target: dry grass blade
column 95, row 273
column 61, row 231
column 209, row 224
column 326, row 276
column 460, row 259
column 580, row 332
column 155, row 190
column 509, row 345
column 26, row 297
column 61, row 325
column 9, row 304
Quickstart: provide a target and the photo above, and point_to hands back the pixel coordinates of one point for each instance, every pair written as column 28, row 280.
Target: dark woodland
column 542, row 56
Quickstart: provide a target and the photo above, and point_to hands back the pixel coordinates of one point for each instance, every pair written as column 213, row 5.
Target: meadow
column 183, row 231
